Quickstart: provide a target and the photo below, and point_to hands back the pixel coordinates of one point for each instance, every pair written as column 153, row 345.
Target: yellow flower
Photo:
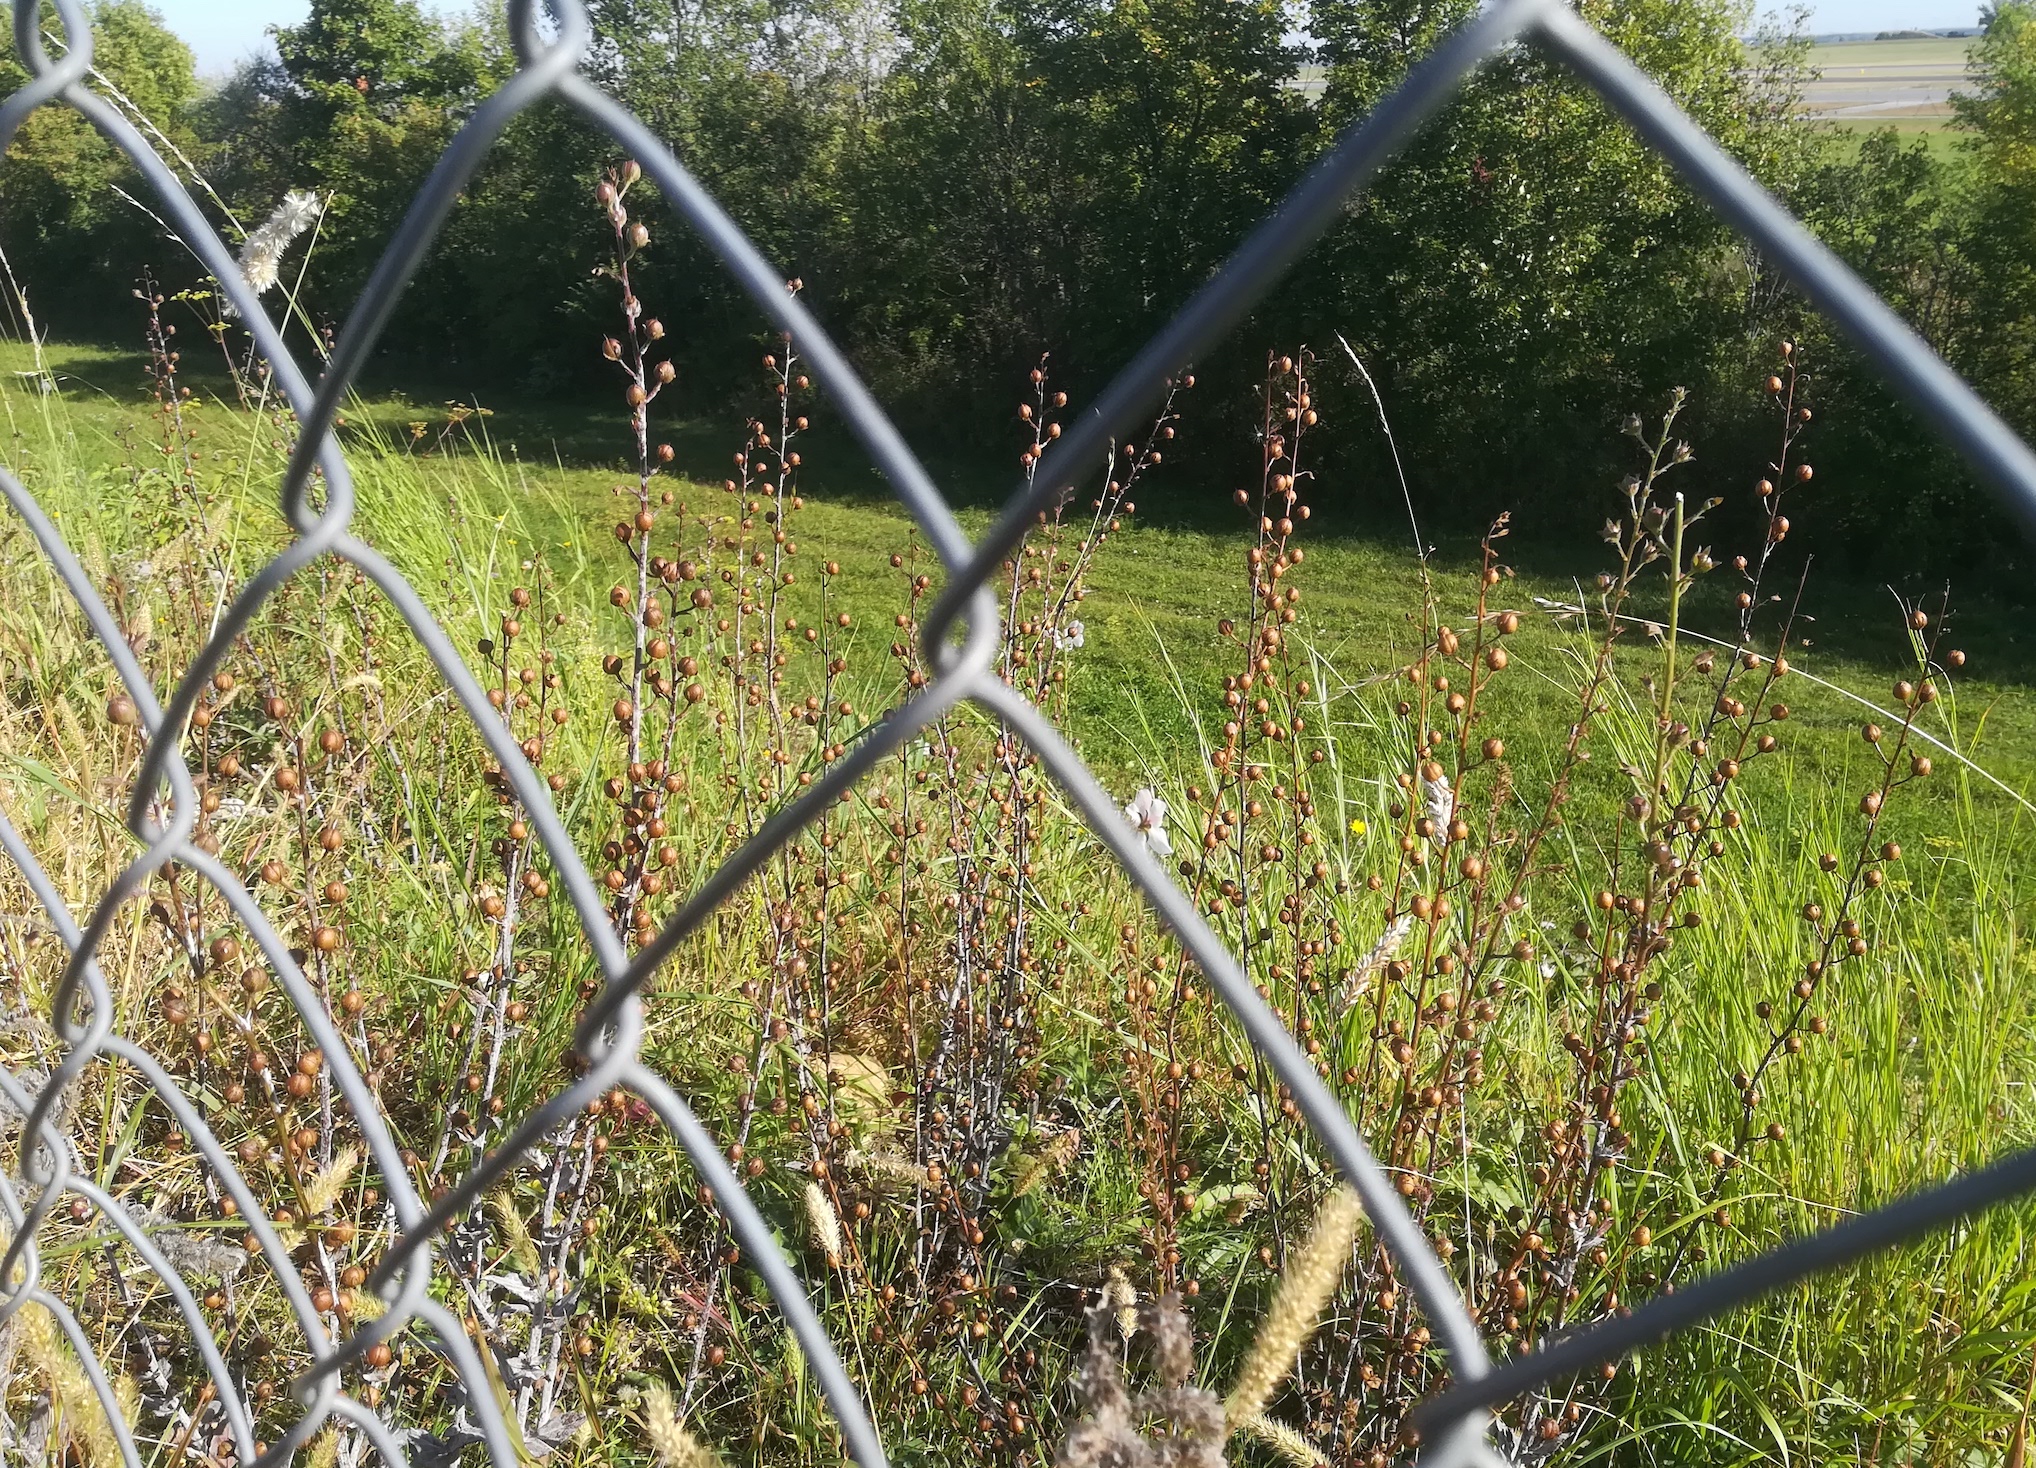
column 1357, row 827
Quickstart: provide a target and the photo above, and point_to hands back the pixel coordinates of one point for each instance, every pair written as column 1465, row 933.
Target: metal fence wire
column 960, row 637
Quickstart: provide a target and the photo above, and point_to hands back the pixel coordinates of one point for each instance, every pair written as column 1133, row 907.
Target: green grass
column 1151, row 592
column 1934, row 53
column 1918, row 1356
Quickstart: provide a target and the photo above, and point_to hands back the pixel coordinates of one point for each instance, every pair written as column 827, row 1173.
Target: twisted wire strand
column 317, row 502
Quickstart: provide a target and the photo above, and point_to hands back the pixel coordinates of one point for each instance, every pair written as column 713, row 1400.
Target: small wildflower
column 1147, row 813
column 1072, row 636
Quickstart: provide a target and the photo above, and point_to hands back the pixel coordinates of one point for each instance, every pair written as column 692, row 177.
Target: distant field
column 1907, row 83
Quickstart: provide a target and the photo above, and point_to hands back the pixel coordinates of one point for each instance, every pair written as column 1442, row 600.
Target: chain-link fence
column 960, row 639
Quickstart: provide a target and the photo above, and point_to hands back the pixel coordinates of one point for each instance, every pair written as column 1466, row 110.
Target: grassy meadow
column 1630, row 956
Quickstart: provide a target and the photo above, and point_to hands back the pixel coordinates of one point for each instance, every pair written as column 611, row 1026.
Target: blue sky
column 1892, row 15
column 224, row 31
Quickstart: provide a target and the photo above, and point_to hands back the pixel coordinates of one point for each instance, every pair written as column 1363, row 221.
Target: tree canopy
column 962, row 184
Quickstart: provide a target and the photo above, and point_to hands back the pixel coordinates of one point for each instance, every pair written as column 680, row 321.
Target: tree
column 1061, row 174
column 764, row 101
column 1530, row 269
column 2000, row 117
column 375, row 89
column 67, row 233
column 2000, row 112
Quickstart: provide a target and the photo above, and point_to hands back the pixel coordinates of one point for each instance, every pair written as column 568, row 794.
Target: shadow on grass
column 1842, row 616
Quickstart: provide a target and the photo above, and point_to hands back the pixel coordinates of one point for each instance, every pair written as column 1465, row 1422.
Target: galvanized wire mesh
column 960, row 638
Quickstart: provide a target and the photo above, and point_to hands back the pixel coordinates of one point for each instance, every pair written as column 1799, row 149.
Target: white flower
column 261, row 257
column 1438, row 803
column 1147, row 814
column 1072, row 636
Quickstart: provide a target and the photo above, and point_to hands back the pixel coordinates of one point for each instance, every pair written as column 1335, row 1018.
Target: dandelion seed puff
column 823, row 1224
column 1310, row 1278
column 675, row 1447
column 261, row 256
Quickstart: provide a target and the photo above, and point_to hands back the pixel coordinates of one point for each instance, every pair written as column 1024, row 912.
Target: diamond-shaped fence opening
column 959, row 637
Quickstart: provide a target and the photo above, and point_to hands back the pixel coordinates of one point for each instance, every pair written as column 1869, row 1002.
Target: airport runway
column 1868, row 79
